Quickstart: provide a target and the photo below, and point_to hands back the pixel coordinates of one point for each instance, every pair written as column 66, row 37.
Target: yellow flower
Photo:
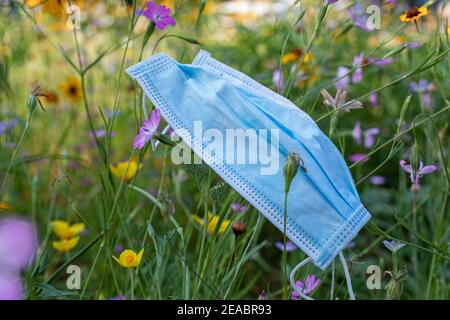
column 291, row 56
column 65, row 231
column 413, row 14
column 71, row 88
column 213, row 220
column 4, row 206
column 129, row 258
column 119, row 169
column 65, row 245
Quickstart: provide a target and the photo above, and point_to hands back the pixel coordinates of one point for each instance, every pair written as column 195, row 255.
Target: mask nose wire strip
column 347, row 276
column 292, row 278
column 307, row 260
column 144, row 106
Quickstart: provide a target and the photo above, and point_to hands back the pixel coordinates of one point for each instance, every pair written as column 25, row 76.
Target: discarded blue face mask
column 324, row 211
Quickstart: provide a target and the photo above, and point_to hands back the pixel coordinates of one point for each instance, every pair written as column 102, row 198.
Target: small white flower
column 393, row 245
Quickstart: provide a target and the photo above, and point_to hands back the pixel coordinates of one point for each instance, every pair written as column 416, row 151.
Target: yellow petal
column 76, row 228
column 139, row 257
column 117, row 260
column 60, row 228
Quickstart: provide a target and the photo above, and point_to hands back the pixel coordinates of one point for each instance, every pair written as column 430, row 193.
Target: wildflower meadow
column 97, row 202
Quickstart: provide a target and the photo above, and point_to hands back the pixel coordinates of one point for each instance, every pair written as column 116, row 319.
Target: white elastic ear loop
column 292, row 278
column 302, row 263
column 347, row 276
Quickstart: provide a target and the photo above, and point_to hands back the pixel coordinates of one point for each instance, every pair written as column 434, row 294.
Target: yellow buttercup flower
column 129, row 259
column 65, row 231
column 413, row 14
column 119, row 170
column 4, row 206
column 65, row 245
column 213, row 220
column 71, row 88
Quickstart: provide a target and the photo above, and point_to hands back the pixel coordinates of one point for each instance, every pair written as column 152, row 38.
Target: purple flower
column 379, row 62
column 417, row 173
column 358, row 157
column 11, row 287
column 424, row 88
column 118, row 249
column 374, row 99
column 358, row 63
column 277, row 79
column 290, row 246
column 119, row 297
column 149, row 129
column 310, row 284
column 342, row 78
column 369, row 135
column 237, row 207
column 7, row 126
column 159, row 14
column 101, row 133
column 357, row 133
column 18, row 245
column 413, row 45
column 377, row 180
column 358, row 16
column 332, row 1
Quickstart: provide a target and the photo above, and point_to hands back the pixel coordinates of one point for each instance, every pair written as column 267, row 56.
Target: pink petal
column 429, row 169
column 405, row 166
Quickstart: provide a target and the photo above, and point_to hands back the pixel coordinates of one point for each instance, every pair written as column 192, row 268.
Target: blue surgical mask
column 324, row 212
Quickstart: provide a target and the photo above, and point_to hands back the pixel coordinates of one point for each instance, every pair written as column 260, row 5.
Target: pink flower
column 147, row 131
column 159, row 14
column 358, row 63
column 417, row 174
column 342, row 78
column 237, row 207
column 18, row 245
column 277, row 79
column 369, row 135
column 310, row 284
column 358, row 157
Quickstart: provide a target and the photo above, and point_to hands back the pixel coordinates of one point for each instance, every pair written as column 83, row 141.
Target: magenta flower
column 358, row 62
column 147, row 131
column 369, row 135
column 18, row 245
column 417, row 174
column 342, row 78
column 290, row 246
column 310, row 284
column 159, row 14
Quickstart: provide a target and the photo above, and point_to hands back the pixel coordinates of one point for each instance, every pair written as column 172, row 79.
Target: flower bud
column 238, row 228
column 290, row 169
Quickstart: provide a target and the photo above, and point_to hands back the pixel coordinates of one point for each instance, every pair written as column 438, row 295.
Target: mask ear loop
column 292, row 278
column 351, row 294
column 307, row 260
